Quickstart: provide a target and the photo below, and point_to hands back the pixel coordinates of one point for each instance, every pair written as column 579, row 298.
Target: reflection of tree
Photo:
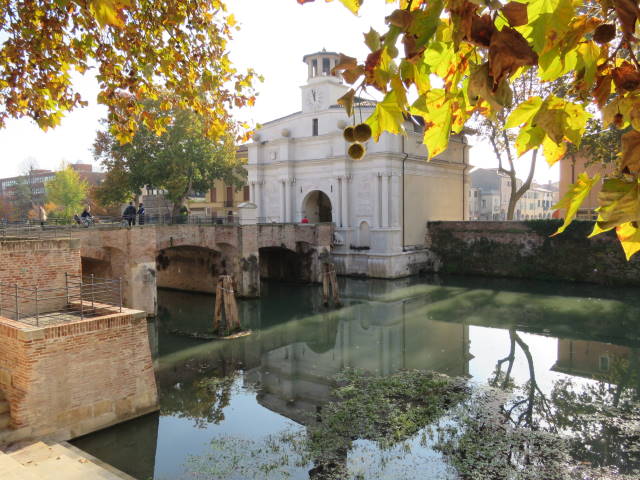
column 203, row 398
column 603, row 418
column 521, row 412
column 589, row 428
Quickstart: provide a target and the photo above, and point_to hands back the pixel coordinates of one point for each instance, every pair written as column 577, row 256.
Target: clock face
column 314, row 98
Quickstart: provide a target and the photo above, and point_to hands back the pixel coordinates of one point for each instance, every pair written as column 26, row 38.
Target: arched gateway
column 316, row 206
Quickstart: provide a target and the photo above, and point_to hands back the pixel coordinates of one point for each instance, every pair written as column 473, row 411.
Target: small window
column 245, row 193
column 484, row 203
column 315, row 127
column 213, row 194
column 314, row 68
column 230, row 194
column 326, row 66
column 604, row 363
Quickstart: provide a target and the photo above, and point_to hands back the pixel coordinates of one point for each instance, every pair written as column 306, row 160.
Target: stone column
column 288, row 183
column 259, row 201
column 253, row 193
column 376, row 200
column 283, row 201
column 394, row 201
column 338, row 208
column 385, row 199
column 346, row 221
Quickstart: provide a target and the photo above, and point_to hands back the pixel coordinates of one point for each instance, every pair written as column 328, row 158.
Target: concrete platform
column 55, row 461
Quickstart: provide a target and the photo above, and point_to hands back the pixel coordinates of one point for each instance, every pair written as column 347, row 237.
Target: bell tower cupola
column 322, row 88
column 320, row 64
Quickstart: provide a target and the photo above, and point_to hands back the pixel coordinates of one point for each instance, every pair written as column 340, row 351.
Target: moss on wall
column 527, row 250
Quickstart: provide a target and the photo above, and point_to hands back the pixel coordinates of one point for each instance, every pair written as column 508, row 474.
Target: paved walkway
column 55, row 461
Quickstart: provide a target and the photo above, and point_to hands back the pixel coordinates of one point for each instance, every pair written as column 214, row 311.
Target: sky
column 274, row 36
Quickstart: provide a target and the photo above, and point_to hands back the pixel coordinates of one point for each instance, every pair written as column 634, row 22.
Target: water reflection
column 567, row 355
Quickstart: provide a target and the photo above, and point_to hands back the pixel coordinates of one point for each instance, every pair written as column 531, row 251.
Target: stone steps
column 56, row 461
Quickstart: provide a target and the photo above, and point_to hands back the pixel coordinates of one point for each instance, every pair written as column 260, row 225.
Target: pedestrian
column 129, row 214
column 141, row 214
column 42, row 215
column 304, row 220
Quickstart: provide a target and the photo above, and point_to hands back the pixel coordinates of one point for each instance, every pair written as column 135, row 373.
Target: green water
column 575, row 353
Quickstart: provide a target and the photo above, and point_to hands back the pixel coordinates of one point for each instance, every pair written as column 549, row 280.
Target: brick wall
column 37, row 263
column 527, row 250
column 71, row 379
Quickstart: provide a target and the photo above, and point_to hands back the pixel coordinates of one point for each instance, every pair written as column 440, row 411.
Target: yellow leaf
column 619, row 203
column 629, row 236
column 347, row 101
column 574, row 198
column 436, row 110
column 107, row 12
column 553, row 151
column 388, row 116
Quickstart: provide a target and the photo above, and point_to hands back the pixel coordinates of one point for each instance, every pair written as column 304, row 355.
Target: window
column 326, row 66
column 245, row 193
column 314, row 68
column 213, row 194
column 484, row 203
column 229, row 194
column 604, row 363
column 315, row 127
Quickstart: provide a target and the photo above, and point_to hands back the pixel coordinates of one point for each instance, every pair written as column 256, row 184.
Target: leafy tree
column 180, row 161
column 22, row 196
column 137, row 48
column 67, row 191
column 472, row 52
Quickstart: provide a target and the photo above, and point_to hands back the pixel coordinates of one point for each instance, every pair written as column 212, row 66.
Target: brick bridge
column 190, row 257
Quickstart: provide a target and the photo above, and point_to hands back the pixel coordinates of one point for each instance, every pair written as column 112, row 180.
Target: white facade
column 298, row 166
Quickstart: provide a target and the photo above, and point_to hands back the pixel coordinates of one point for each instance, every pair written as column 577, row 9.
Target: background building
column 490, row 192
column 298, row 166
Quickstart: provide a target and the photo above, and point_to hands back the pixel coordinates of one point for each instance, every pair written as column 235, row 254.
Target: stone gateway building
column 298, row 166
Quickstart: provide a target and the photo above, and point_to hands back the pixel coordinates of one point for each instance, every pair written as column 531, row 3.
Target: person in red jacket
column 304, row 220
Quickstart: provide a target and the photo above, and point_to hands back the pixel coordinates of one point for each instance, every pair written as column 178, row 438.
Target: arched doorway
column 317, row 207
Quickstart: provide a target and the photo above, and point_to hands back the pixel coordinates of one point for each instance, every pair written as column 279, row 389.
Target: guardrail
column 79, row 298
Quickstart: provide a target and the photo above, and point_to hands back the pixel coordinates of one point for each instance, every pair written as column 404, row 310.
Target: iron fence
column 80, row 298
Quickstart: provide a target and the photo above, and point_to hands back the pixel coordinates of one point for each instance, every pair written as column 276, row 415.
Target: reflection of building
column 490, row 192
column 381, row 338
column 298, row 166
column 587, row 358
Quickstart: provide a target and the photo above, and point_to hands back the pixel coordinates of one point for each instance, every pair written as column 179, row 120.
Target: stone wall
column 67, row 380
column 526, row 250
column 34, row 263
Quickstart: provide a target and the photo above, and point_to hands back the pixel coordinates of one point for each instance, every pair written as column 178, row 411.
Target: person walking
column 304, row 220
column 141, row 213
column 129, row 214
column 42, row 215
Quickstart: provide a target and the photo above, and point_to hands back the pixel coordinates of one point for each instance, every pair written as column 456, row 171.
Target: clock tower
column 323, row 88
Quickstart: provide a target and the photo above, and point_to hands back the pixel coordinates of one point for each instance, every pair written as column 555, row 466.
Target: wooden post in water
column 225, row 301
column 330, row 285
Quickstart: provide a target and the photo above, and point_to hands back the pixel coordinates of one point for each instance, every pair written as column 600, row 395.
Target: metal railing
column 66, row 230
column 79, row 298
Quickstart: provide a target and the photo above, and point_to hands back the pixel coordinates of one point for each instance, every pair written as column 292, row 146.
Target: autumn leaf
column 619, row 203
column 629, row 236
column 516, row 13
column 347, row 101
column 631, row 152
column 482, row 30
column 387, row 117
column 524, row 112
column 436, row 109
column 553, row 152
column 508, row 52
column 108, row 12
column 626, row 77
column 481, row 87
column 628, row 12
column 574, row 197
column 528, row 138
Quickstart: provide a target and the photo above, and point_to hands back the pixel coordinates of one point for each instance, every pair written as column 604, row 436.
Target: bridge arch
column 316, row 206
column 194, row 267
column 284, row 264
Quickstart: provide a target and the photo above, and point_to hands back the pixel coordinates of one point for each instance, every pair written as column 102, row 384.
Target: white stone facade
column 298, row 166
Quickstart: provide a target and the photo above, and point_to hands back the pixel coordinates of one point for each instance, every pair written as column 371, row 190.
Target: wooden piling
column 225, row 301
column 330, row 285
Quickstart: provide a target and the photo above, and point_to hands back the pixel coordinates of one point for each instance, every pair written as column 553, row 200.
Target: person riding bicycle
column 85, row 217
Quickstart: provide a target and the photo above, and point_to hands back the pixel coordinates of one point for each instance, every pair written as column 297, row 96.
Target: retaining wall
column 526, row 250
column 66, row 380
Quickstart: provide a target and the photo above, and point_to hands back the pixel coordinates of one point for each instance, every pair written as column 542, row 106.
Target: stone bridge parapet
column 189, row 257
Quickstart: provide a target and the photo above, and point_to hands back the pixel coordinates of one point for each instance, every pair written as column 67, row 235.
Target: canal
column 547, row 384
